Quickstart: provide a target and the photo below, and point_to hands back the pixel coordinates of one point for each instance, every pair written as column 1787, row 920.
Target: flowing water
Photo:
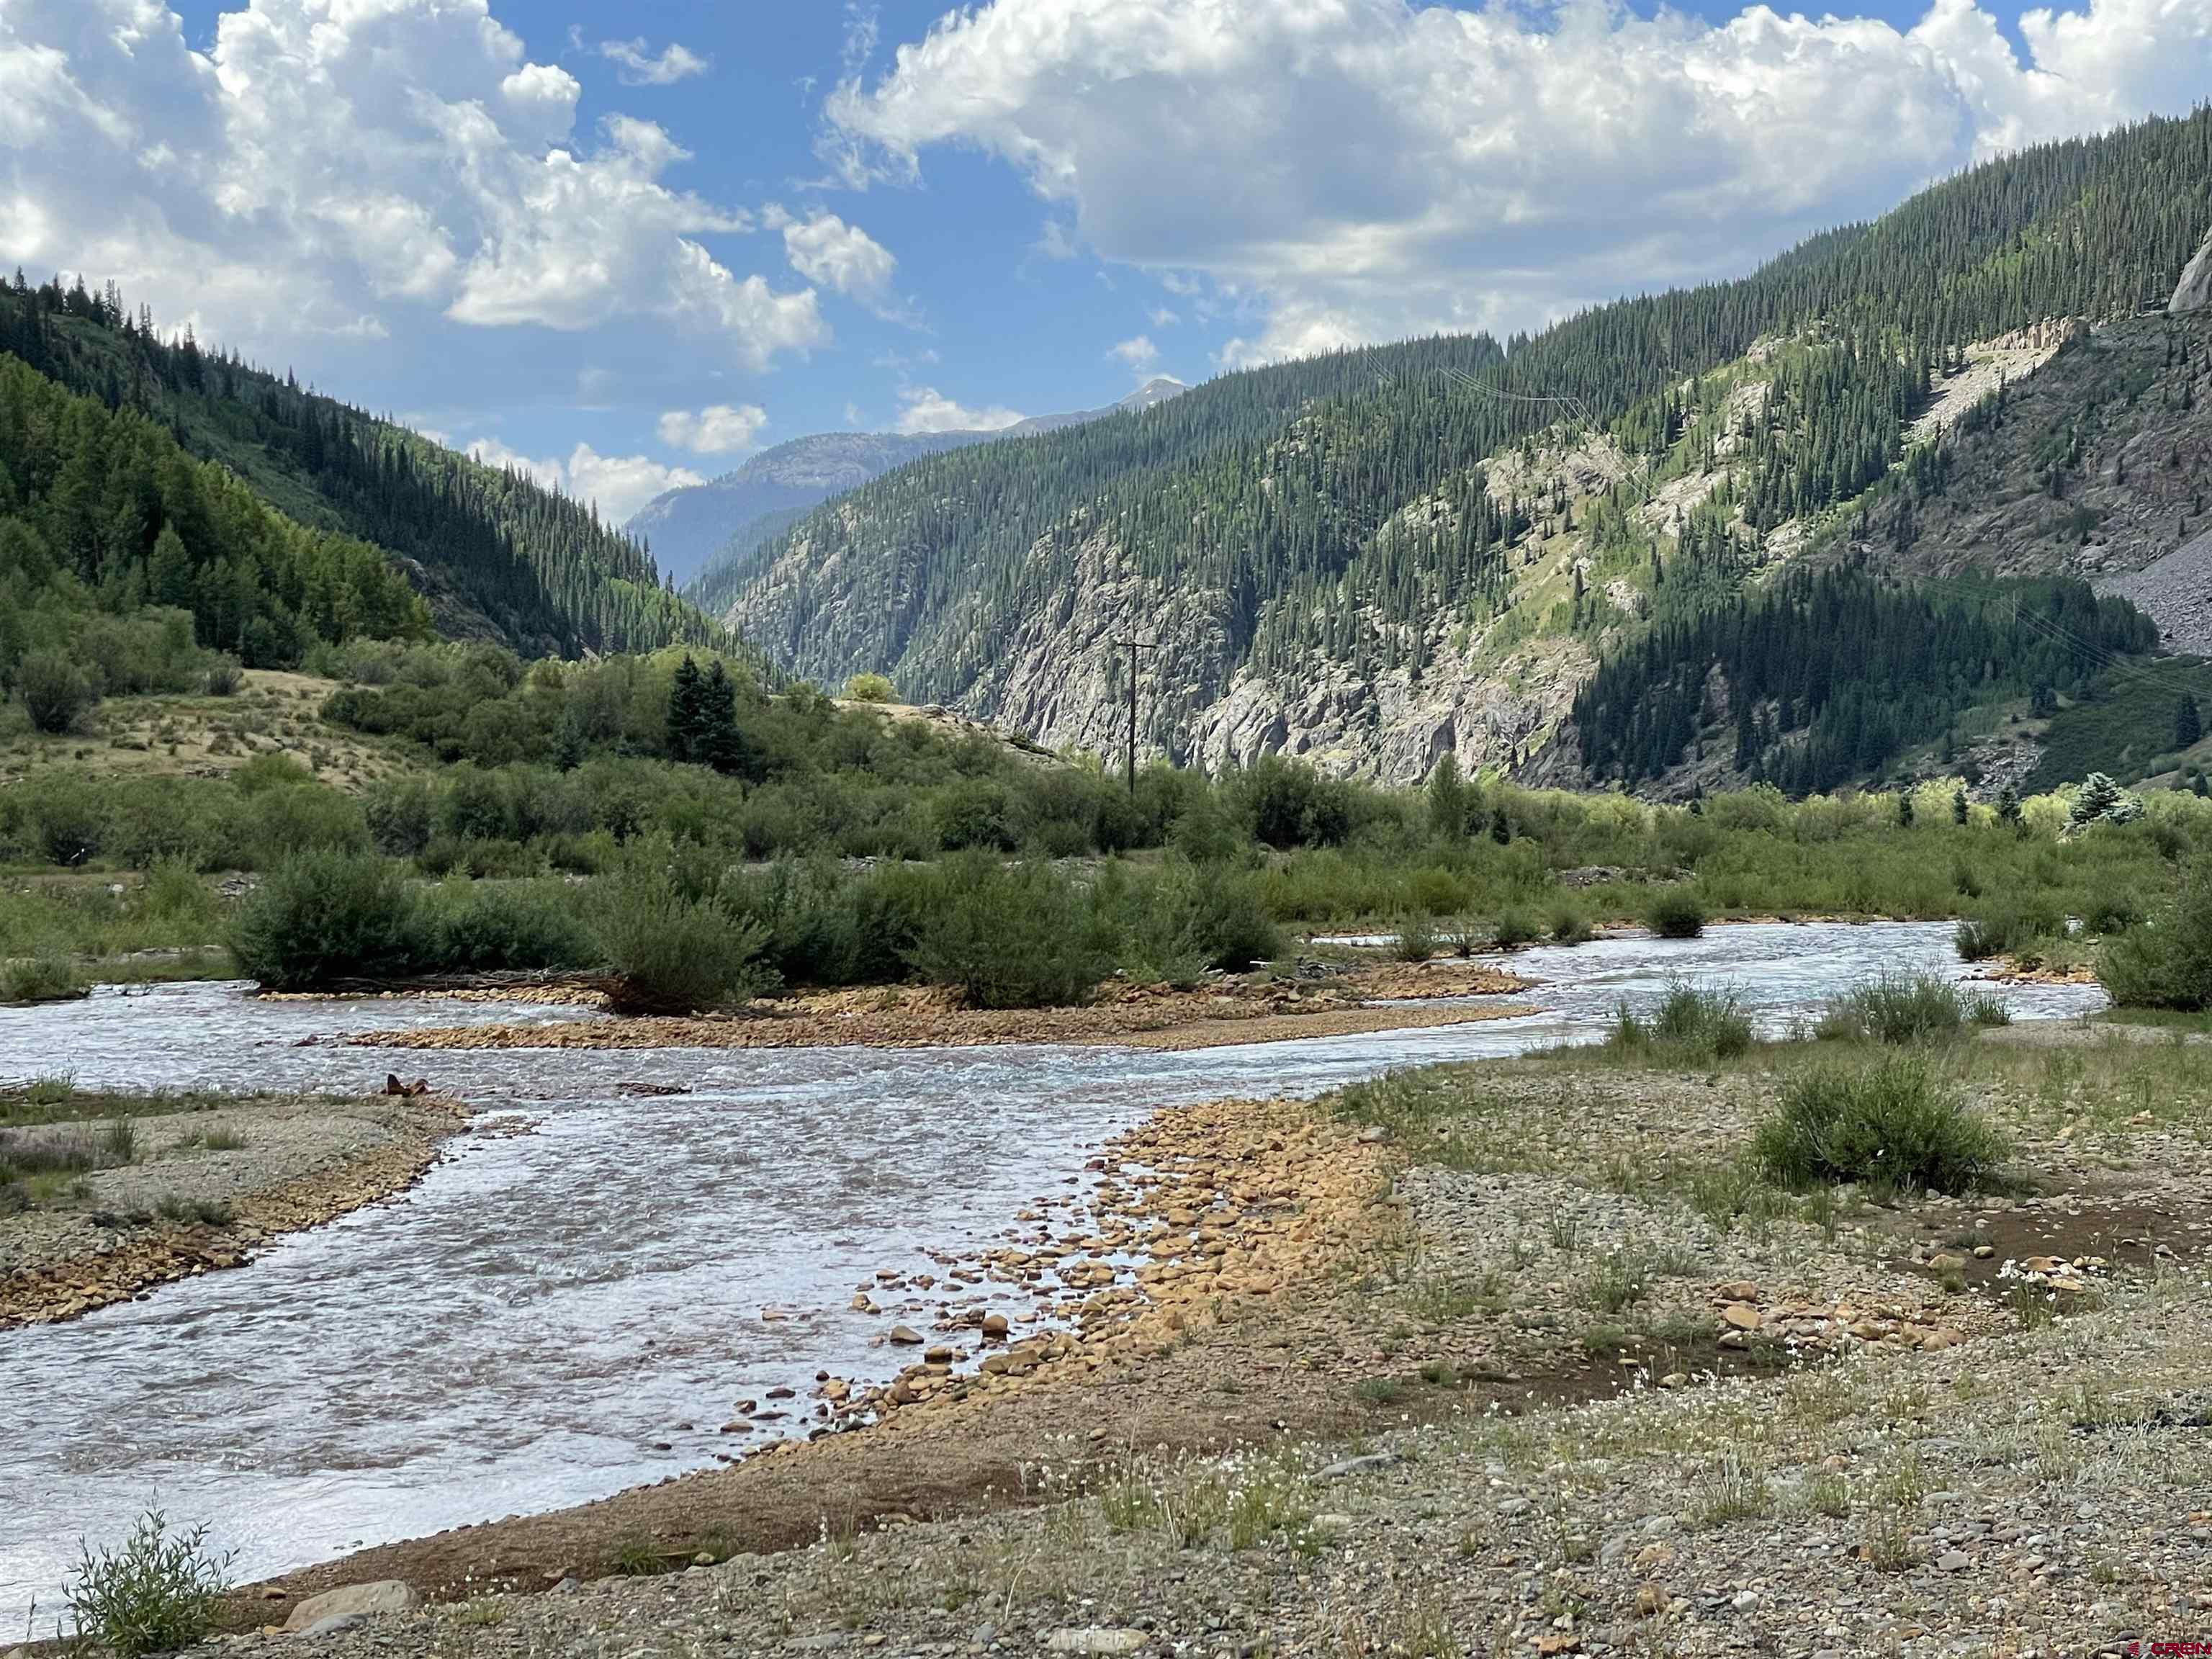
column 536, row 1322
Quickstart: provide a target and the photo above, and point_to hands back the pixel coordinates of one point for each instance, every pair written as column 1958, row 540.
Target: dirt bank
column 200, row 1189
column 1371, row 999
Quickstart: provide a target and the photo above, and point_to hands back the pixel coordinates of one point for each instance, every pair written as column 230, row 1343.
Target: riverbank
column 134, row 1192
column 1380, row 997
column 1500, row 1355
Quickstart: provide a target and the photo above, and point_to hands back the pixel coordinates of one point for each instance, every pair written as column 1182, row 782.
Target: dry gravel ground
column 1239, row 1010
column 1540, row 1370
column 207, row 1179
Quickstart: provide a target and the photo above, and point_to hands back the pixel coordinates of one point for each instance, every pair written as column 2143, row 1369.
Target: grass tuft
column 1902, row 1008
column 1689, row 1026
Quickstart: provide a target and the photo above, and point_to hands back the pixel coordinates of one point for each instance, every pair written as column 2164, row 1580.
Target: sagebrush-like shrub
column 49, row 976
column 671, row 952
column 486, row 927
column 1417, row 938
column 1893, row 1124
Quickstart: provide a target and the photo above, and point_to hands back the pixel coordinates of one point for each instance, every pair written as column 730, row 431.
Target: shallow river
column 535, row 1320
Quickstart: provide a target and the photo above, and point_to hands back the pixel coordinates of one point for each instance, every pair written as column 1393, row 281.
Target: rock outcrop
column 353, row 1601
column 2195, row 291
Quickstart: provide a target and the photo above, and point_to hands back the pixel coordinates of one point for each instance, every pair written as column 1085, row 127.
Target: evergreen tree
column 1448, row 798
column 1959, row 805
column 2188, row 722
column 1904, row 807
column 717, row 743
column 687, row 722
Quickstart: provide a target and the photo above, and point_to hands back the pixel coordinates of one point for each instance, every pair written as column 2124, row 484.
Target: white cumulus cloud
column 925, row 409
column 636, row 66
column 1351, row 169
column 1140, row 354
column 621, row 484
column 823, row 248
column 331, row 166
column 720, row 429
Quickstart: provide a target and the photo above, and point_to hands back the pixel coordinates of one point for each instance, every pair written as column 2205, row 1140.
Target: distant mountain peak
column 690, row 527
column 1155, row 391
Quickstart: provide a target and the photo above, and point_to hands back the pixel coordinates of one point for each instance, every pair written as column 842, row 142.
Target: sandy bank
column 205, row 1188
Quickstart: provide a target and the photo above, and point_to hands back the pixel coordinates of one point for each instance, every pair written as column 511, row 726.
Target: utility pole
column 1134, row 647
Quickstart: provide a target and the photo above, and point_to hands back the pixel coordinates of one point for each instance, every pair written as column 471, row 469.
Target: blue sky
column 630, row 245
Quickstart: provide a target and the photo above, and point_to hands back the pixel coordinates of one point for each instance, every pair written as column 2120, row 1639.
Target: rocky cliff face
column 1059, row 674
column 2195, row 291
column 2098, row 469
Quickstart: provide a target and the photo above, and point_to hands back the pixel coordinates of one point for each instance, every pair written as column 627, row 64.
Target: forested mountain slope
column 495, row 555
column 103, row 516
column 1374, row 557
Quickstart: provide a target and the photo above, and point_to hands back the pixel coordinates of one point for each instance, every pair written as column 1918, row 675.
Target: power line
column 1133, row 648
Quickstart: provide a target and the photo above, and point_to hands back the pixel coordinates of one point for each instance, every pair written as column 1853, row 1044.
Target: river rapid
column 554, row 1316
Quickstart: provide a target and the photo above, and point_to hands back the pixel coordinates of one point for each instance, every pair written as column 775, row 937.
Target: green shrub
column 672, row 952
column 55, row 692
column 324, row 917
column 156, row 1594
column 1689, row 1026
column 869, row 688
column 1676, row 912
column 1893, row 1124
column 1997, row 930
column 174, row 893
column 1171, row 926
column 1514, row 927
column 49, row 976
column 1570, row 924
column 1011, row 938
column 1907, row 1008
column 488, row 927
column 2167, row 962
column 1417, row 938
column 224, row 678
column 69, row 821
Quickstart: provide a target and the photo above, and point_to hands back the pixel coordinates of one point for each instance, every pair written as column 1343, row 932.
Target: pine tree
column 718, row 745
column 1959, row 805
column 2188, row 722
column 1448, row 798
column 686, row 722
